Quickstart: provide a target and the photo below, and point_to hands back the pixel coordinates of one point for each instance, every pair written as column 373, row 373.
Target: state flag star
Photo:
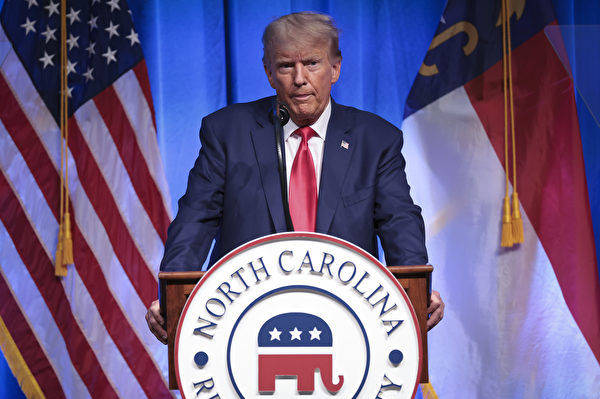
column 93, row 23
column 73, row 16
column 112, row 30
column 295, row 333
column 91, row 49
column 113, row 4
column 31, row 3
column 275, row 334
column 315, row 334
column 46, row 60
column 133, row 37
column 28, row 26
column 49, row 34
column 52, row 8
column 71, row 67
column 110, row 55
column 72, row 41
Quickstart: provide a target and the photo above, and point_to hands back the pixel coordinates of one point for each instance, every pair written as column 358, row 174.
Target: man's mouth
column 301, row 97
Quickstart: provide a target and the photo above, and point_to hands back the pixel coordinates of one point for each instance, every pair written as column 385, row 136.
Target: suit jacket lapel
column 336, row 159
column 263, row 140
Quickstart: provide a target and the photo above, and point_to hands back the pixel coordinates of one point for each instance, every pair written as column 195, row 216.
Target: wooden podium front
column 175, row 287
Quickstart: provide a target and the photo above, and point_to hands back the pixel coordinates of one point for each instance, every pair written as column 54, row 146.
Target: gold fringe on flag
column 507, row 237
column 17, row 364
column 512, row 223
column 507, row 233
column 428, row 391
column 517, row 222
column 64, row 247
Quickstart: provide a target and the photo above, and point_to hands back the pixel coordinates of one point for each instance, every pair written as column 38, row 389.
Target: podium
column 175, row 287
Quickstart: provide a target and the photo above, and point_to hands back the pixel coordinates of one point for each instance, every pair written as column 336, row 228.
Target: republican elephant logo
column 296, row 345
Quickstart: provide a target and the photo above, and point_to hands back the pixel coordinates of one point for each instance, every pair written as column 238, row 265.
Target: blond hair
column 301, row 28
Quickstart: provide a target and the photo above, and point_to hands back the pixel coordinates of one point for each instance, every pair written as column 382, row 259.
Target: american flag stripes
column 83, row 335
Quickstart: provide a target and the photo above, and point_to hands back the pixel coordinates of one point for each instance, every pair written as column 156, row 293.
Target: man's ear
column 335, row 70
column 269, row 74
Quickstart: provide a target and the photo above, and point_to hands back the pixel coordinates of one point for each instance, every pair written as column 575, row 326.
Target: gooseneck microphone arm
column 281, row 116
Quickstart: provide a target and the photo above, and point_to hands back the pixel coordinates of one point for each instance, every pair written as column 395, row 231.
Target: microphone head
column 284, row 114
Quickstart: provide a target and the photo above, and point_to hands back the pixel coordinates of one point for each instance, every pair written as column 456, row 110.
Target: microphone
column 283, row 113
column 280, row 112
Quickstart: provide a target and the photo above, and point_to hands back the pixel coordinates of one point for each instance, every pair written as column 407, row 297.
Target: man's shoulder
column 243, row 112
column 361, row 120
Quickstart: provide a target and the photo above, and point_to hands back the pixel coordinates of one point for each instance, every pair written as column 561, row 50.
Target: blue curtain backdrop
column 203, row 55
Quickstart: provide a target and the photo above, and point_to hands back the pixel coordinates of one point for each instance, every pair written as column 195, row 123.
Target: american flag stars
column 93, row 23
column 28, row 26
column 47, row 60
column 49, row 34
column 112, row 30
column 72, row 41
column 71, row 67
column 110, row 55
column 101, row 45
column 88, row 74
column 91, row 49
column 73, row 16
column 52, row 8
column 114, row 4
column 133, row 37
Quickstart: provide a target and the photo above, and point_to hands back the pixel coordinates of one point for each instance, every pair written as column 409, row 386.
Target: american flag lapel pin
column 344, row 144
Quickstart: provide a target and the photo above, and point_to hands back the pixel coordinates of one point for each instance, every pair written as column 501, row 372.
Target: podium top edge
column 396, row 271
column 412, row 269
column 196, row 274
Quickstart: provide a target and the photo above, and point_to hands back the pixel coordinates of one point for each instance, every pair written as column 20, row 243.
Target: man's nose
column 299, row 75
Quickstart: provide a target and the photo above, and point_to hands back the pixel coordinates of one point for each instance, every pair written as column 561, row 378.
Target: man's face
column 302, row 78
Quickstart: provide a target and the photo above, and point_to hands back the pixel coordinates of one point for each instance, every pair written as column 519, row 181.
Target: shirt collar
column 320, row 126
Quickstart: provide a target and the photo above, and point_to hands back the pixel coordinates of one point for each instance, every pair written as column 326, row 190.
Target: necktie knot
column 305, row 133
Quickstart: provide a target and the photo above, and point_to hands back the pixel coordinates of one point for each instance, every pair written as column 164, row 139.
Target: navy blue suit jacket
column 234, row 193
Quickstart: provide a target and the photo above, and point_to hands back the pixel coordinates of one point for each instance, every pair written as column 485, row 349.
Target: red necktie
column 303, row 185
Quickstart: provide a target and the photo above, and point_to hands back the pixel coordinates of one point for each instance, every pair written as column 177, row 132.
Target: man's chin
column 303, row 117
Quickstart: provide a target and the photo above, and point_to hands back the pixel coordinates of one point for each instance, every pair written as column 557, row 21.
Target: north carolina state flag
column 522, row 321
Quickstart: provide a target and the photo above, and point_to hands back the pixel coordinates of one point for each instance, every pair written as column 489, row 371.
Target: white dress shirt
column 316, row 144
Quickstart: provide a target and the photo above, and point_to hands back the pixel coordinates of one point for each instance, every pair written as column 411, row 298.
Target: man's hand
column 435, row 309
column 156, row 323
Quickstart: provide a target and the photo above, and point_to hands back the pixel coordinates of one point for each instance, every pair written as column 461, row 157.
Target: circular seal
column 298, row 314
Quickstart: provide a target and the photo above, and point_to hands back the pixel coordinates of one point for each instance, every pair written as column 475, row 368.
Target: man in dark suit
column 345, row 169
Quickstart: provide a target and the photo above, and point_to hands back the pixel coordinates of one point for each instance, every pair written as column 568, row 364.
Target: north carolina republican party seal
column 298, row 315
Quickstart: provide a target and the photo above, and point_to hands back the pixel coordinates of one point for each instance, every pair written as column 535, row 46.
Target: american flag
column 83, row 335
